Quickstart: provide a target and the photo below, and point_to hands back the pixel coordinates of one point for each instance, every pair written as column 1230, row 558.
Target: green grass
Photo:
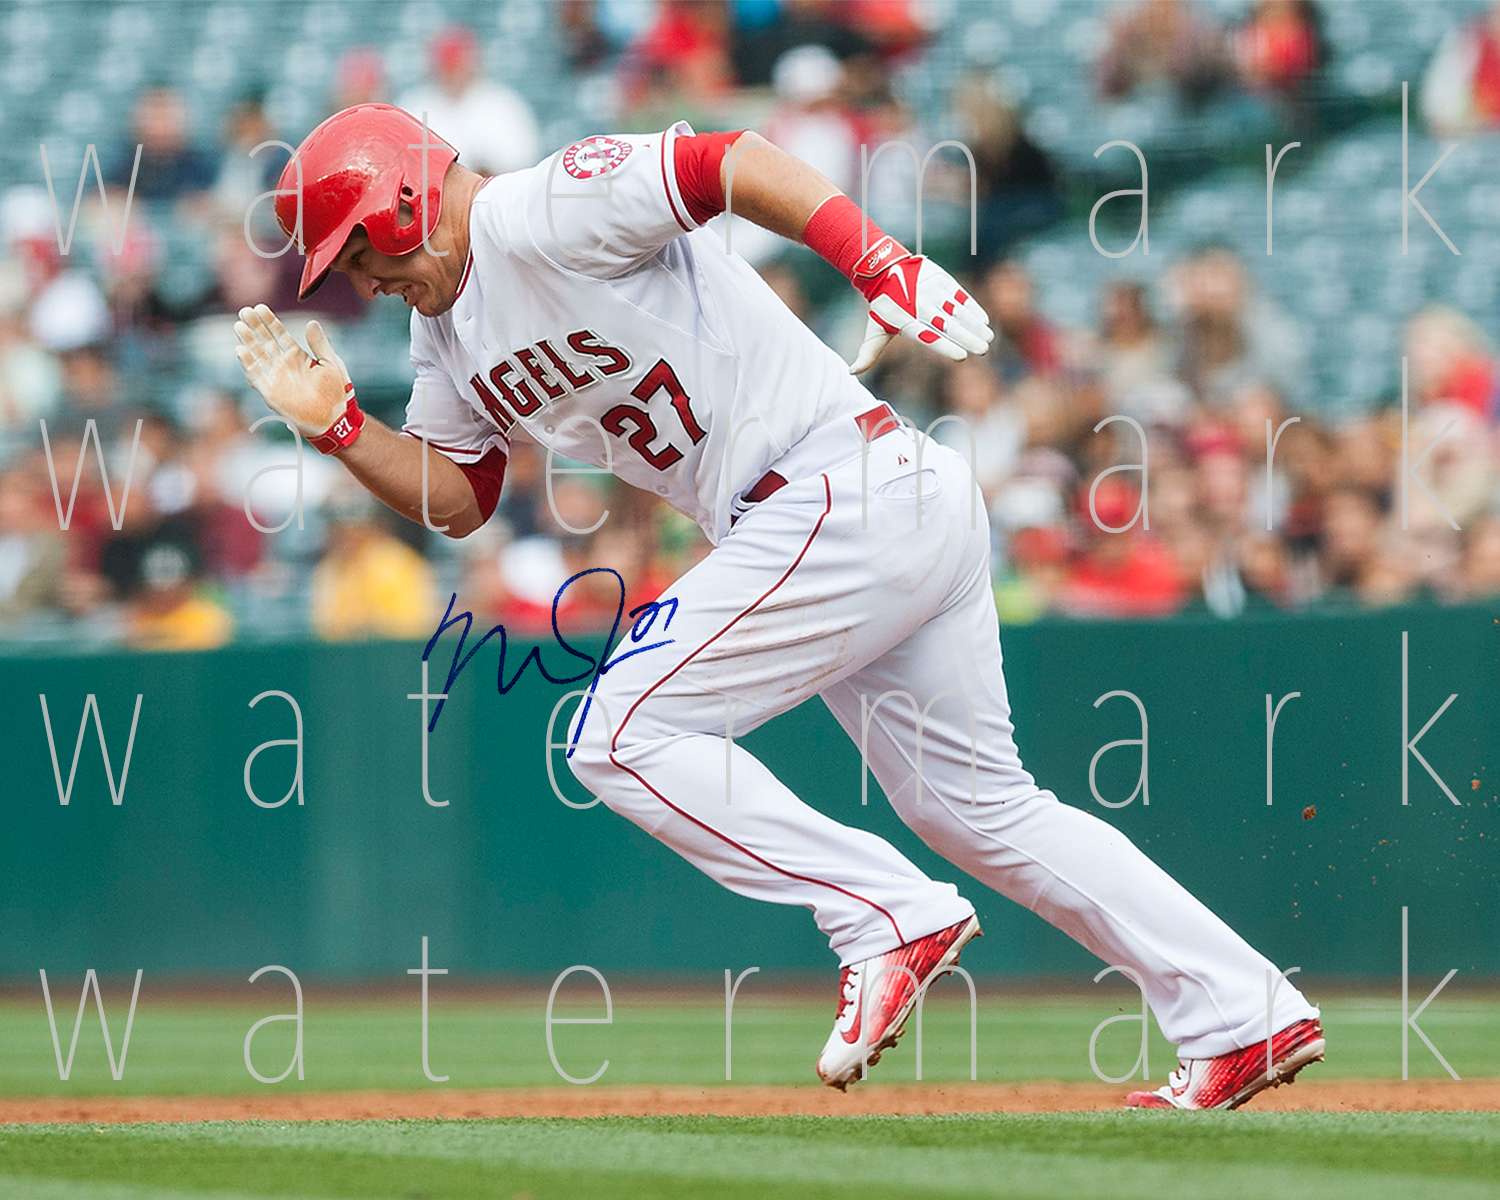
column 187, row 1047
column 177, row 1047
column 1115, row 1155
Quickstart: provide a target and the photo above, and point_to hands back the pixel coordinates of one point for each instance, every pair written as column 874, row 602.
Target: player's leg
column 1206, row 985
column 782, row 606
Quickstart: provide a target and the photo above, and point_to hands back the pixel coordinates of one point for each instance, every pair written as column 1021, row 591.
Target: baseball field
column 663, row 1122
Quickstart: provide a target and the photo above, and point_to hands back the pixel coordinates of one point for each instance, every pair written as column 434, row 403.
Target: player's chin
column 430, row 305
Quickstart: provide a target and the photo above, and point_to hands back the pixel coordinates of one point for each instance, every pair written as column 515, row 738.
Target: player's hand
column 911, row 296
column 309, row 390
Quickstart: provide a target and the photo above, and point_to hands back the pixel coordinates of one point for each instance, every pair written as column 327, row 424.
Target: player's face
column 422, row 280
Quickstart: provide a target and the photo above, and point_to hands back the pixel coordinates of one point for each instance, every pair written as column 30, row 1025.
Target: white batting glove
column 911, row 296
column 312, row 391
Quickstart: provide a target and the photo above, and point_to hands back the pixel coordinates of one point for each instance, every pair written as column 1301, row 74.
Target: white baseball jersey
column 591, row 293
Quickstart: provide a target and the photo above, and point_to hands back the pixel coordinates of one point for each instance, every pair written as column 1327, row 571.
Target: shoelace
column 846, row 991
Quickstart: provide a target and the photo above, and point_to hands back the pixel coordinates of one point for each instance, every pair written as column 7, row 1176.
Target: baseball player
column 583, row 301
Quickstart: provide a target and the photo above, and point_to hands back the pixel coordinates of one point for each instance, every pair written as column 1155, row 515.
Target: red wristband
column 343, row 431
column 858, row 247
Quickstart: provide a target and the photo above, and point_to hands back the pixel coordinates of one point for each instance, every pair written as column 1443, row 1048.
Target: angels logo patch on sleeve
column 594, row 157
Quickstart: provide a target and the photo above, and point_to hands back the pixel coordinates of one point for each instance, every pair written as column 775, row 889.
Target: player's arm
column 772, row 188
column 314, row 392
column 389, row 464
column 909, row 295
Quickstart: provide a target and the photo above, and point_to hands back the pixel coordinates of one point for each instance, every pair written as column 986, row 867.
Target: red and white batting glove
column 311, row 391
column 909, row 294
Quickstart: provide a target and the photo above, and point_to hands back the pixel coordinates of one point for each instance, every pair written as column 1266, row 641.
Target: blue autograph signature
column 643, row 616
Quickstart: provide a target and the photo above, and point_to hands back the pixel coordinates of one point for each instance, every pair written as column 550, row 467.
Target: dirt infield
column 1375, row 1095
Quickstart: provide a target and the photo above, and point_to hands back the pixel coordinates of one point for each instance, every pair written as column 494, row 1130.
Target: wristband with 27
column 344, row 431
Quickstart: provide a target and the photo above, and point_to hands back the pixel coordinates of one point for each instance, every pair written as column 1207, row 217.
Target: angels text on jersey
column 531, row 378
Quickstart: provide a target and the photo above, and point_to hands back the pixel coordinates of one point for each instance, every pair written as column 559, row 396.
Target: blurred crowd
column 1199, row 370
column 221, row 540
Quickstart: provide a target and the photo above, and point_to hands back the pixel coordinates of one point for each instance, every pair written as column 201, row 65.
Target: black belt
column 873, row 423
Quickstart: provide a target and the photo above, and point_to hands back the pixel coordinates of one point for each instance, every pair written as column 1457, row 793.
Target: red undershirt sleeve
column 697, row 160
column 486, row 477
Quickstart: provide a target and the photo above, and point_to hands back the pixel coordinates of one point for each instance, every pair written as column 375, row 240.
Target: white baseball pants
column 815, row 592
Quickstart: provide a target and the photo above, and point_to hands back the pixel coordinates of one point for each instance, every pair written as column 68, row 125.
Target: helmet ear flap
column 396, row 228
column 408, row 213
column 342, row 175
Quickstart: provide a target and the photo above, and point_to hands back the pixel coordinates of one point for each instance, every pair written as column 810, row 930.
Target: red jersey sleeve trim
column 669, row 185
column 697, row 160
column 441, row 447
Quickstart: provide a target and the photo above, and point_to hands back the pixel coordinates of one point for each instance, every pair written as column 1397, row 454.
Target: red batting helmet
column 358, row 168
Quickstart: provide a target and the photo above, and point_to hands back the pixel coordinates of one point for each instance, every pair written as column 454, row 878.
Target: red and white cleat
column 876, row 1017
column 1230, row 1079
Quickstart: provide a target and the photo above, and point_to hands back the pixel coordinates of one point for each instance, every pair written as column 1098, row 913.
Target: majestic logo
column 594, row 157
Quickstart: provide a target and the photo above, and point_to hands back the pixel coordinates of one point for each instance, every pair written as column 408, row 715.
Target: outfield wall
column 186, row 874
